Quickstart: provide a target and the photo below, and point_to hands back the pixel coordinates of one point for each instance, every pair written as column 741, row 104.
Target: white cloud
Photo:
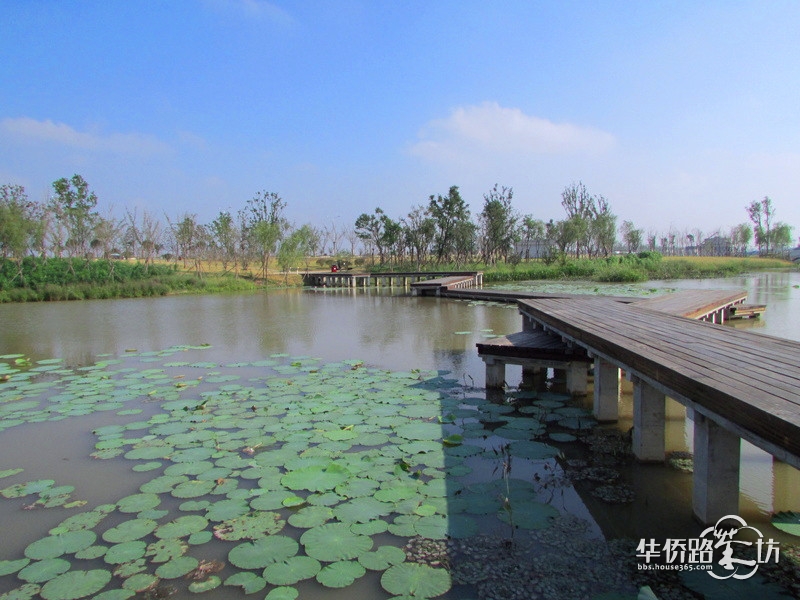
column 490, row 130
column 31, row 131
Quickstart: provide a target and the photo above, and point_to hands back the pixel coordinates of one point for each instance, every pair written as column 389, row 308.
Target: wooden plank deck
column 694, row 304
column 748, row 379
column 532, row 345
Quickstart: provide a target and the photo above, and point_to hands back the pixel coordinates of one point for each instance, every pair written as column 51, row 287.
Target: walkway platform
column 735, row 384
column 435, row 287
column 715, row 306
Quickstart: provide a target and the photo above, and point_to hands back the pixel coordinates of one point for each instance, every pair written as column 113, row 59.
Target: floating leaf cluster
column 294, row 470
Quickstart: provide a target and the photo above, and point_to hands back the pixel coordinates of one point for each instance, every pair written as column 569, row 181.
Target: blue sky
column 680, row 113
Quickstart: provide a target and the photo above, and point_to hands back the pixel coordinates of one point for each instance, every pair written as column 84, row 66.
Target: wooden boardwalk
column 735, row 384
column 706, row 305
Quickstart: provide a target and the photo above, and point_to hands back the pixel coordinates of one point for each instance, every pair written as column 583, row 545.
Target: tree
column 224, row 237
column 498, row 225
column 419, row 231
column 294, row 248
column 740, row 238
column 781, row 236
column 379, row 230
column 761, row 214
column 190, row 240
column 631, row 236
column 265, row 225
column 15, row 222
column 591, row 220
column 74, row 206
column 454, row 231
column 532, row 229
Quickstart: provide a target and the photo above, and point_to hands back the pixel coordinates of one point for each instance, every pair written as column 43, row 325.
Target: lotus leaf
column 354, row 488
column 12, row 566
column 129, row 569
column 263, row 551
column 54, row 546
column 340, row 574
column 370, row 528
column 115, row 595
column 140, row 582
column 270, row 500
column 403, row 526
column 251, row 526
column 530, row 515
column 44, row 570
column 291, row 570
column 310, row 516
column 125, row 552
column 10, row 472
column 92, row 552
column 193, row 505
column 193, row 488
column 362, row 510
column 200, row 537
column 24, row 592
column 211, row 583
column 227, row 509
column 382, row 558
column 130, row 530
column 533, row 450
column 162, row 484
column 167, row 549
column 316, row 478
column 75, row 584
column 788, row 522
column 148, row 466
column 21, row 490
column 189, row 468
column 149, row 452
column 282, row 593
column 249, row 582
column 177, row 567
column 333, row 542
column 417, row 580
column 138, row 502
column 181, row 527
column 420, row 430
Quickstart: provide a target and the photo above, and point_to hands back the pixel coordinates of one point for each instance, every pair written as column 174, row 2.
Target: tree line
column 441, row 231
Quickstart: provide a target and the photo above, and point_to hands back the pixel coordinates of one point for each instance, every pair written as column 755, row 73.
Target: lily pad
column 340, row 574
column 282, row 593
column 262, row 552
column 251, row 526
column 44, row 570
column 177, row 567
column 211, row 583
column 138, row 502
column 382, row 558
column 248, row 581
column 130, row 530
column 125, row 552
column 291, row 570
column 75, row 584
column 54, row 546
column 416, row 580
column 333, row 542
column 316, row 478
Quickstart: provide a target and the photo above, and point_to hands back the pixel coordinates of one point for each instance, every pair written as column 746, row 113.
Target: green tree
column 419, row 230
column 379, row 231
column 781, row 236
column 631, row 236
column 498, row 223
column 761, row 214
column 740, row 238
column 190, row 240
column 454, row 230
column 265, row 225
column 224, row 237
column 531, row 230
column 74, row 205
column 294, row 248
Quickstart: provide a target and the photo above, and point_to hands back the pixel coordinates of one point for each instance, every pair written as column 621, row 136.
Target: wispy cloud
column 494, row 130
column 30, row 131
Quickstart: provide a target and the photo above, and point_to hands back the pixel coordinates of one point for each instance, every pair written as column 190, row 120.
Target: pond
column 322, row 444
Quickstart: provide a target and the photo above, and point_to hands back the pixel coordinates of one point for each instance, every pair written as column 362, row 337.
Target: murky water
column 395, row 332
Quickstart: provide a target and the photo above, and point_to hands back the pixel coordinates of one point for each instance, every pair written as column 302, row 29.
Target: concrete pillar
column 577, row 378
column 715, row 484
column 495, row 373
column 606, row 390
column 649, row 408
column 785, row 487
column 532, row 376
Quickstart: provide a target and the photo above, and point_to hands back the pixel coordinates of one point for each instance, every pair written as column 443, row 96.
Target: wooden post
column 495, row 373
column 715, row 483
column 649, row 412
column 606, row 391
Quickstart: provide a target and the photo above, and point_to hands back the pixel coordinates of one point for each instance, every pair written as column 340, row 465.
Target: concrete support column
column 532, row 376
column 495, row 373
column 715, row 484
column 786, row 486
column 606, row 391
column 577, row 378
column 649, row 412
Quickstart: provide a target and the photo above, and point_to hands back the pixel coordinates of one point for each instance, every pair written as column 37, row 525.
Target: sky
column 679, row 113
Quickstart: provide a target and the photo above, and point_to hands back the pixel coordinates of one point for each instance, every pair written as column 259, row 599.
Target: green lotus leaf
column 249, row 582
column 24, row 592
column 115, row 595
column 140, row 582
column 149, row 453
column 20, row 490
column 75, row 584
column 54, row 546
column 529, row 515
column 138, row 502
column 10, row 472
column 316, row 478
column 193, row 488
column 177, row 567
column 270, row 500
column 355, row 488
column 252, row 526
column 310, row 516
column 403, row 526
column 144, row 467
column 92, row 552
column 12, row 566
column 167, row 549
column 382, row 558
column 533, row 450
column 291, row 570
column 211, row 583
column 562, row 437
column 416, row 580
column 282, row 593
column 130, row 530
column 181, row 527
column 227, row 509
column 340, row 574
column 362, row 510
column 199, row 538
column 125, row 552
column 189, row 468
column 44, row 570
column 370, row 528
column 333, row 542
column 193, row 505
column 163, row 484
column 129, row 569
column 262, row 552
column 788, row 522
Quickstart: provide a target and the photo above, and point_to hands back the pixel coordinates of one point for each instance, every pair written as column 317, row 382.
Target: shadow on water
column 323, row 445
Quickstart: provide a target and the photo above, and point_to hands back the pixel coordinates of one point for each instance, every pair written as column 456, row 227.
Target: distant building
column 794, row 254
column 535, row 248
column 717, row 246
